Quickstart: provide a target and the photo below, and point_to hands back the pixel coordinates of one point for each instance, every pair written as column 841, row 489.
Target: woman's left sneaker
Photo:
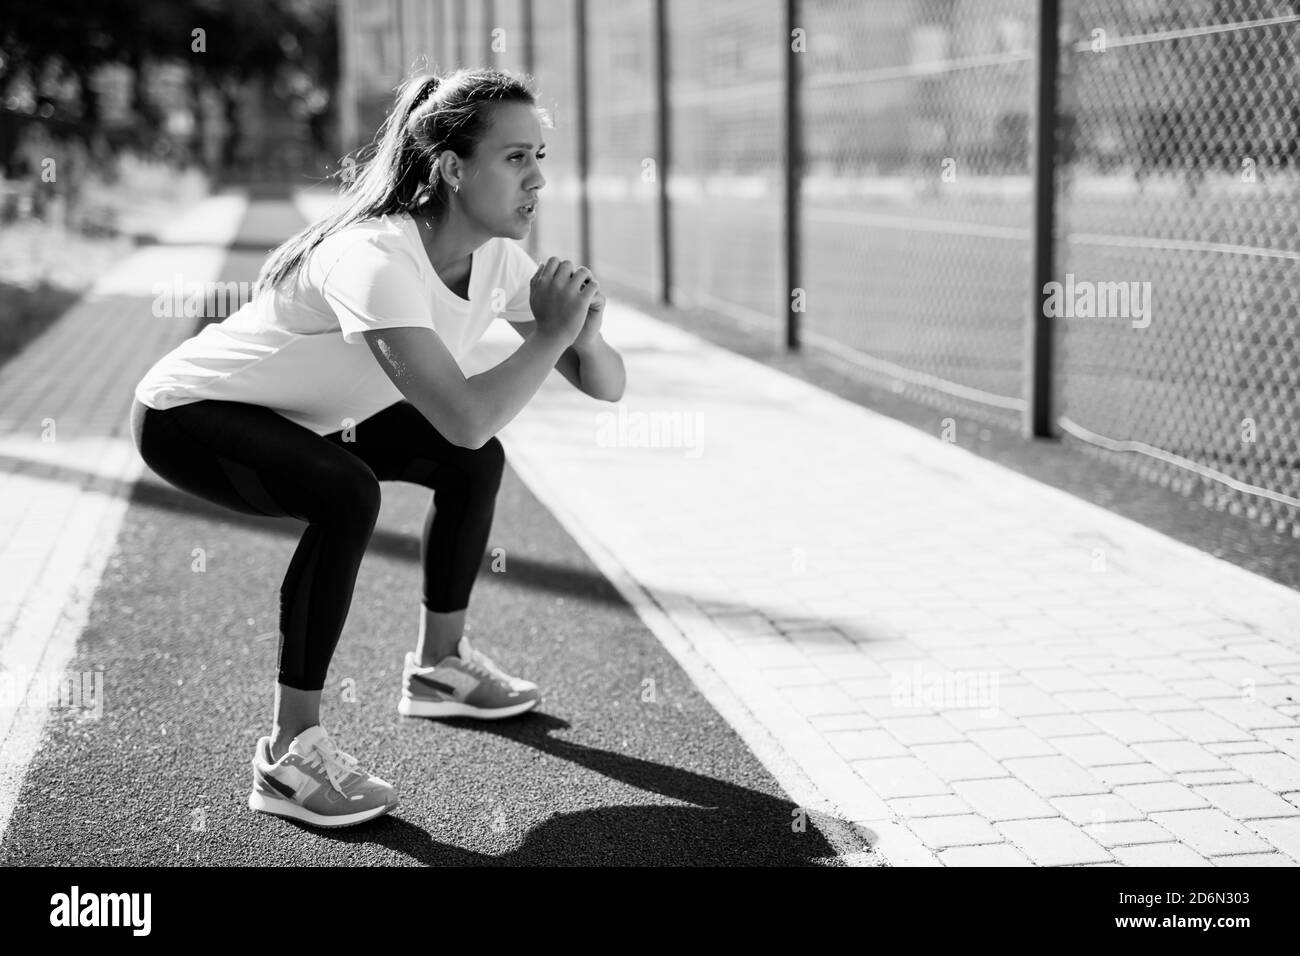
column 317, row 783
column 467, row 684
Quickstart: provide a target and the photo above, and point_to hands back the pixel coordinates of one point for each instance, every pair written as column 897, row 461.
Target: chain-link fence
column 1183, row 193
column 624, row 177
column 724, row 95
column 1174, row 219
column 558, row 229
column 917, row 194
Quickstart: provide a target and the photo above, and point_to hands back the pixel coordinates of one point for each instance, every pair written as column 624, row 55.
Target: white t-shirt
column 303, row 355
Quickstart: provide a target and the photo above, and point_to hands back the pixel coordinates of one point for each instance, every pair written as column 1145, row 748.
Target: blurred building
column 381, row 41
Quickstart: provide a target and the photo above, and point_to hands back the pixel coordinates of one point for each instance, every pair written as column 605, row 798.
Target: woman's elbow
column 472, row 433
column 469, row 437
column 459, row 429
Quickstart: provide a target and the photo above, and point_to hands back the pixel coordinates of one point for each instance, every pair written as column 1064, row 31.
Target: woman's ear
column 445, row 164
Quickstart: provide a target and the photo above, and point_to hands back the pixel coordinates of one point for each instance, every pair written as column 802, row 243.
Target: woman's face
column 505, row 173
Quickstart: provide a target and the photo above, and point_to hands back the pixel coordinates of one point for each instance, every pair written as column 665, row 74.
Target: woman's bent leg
column 400, row 444
column 255, row 461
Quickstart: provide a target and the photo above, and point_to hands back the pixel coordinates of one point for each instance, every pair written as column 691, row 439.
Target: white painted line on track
column 87, row 513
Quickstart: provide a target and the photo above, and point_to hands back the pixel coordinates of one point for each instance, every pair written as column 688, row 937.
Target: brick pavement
column 973, row 668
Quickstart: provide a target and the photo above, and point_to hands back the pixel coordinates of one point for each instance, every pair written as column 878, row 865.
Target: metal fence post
column 526, row 14
column 526, row 17
column 1038, row 420
column 663, row 130
column 584, row 216
column 348, row 119
column 458, row 30
column 437, row 43
column 793, row 174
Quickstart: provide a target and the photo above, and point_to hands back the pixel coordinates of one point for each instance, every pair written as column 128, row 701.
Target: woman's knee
column 489, row 463
column 342, row 492
column 352, row 493
column 475, row 469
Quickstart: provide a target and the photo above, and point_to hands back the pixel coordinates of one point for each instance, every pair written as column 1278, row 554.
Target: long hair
column 431, row 114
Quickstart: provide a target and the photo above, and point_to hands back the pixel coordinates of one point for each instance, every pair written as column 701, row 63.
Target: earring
column 456, row 188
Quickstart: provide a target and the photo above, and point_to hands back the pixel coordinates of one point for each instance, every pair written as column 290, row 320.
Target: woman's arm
column 468, row 412
column 600, row 369
column 590, row 364
column 596, row 369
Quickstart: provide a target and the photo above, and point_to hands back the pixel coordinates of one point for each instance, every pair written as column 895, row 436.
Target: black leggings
column 255, row 461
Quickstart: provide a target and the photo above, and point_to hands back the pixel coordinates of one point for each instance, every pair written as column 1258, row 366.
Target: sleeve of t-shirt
column 375, row 285
column 520, row 269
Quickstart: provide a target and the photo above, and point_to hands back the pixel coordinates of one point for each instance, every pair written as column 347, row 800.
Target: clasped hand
column 566, row 301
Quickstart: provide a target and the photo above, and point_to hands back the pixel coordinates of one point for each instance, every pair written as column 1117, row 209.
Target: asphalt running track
column 625, row 763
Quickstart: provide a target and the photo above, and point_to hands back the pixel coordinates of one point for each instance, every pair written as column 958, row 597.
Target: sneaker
column 467, row 685
column 317, row 783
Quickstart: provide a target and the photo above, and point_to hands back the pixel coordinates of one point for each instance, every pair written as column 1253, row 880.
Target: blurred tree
column 290, row 46
column 286, row 44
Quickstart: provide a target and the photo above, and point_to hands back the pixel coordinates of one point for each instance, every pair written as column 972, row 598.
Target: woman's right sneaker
column 465, row 684
column 317, row 783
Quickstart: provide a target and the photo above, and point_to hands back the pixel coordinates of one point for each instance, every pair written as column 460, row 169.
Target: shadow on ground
column 719, row 817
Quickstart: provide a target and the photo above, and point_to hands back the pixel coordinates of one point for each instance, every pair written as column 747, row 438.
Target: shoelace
column 482, row 660
column 336, row 764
